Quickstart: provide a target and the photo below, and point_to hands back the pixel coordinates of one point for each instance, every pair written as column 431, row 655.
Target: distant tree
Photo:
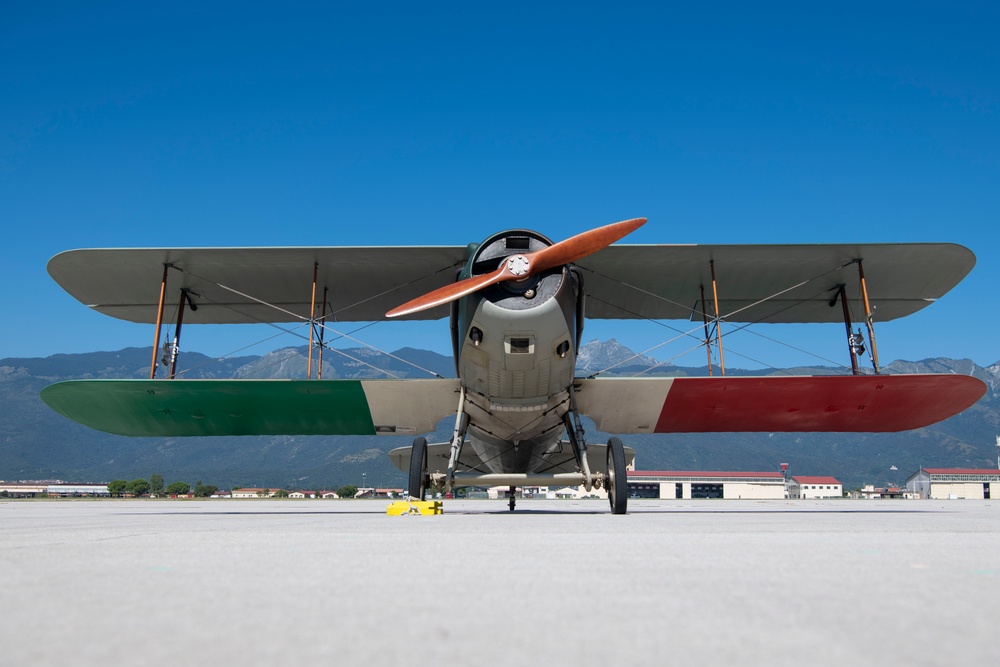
column 156, row 483
column 281, row 493
column 204, row 490
column 347, row 491
column 263, row 493
column 138, row 487
column 179, row 488
column 117, row 488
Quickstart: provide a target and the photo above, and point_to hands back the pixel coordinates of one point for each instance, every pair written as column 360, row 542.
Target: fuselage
column 515, row 346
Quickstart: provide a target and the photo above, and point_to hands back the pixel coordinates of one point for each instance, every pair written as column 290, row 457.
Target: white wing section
column 410, row 407
column 623, row 405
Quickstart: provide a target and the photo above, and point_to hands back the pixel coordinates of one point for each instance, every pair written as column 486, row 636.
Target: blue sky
column 140, row 124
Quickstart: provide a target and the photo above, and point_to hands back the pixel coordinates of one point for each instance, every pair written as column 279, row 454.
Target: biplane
column 517, row 304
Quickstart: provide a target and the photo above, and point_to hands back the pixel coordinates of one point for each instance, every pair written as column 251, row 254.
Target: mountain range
column 37, row 443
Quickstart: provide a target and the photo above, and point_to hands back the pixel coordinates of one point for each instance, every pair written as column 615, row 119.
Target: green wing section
column 253, row 407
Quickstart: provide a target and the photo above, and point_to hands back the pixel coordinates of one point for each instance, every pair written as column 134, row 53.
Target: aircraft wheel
column 617, row 477
column 513, row 498
column 418, row 462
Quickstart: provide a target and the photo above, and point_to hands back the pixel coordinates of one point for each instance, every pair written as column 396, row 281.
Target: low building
column 23, row 489
column 945, row 483
column 76, row 490
column 870, row 491
column 804, row 487
column 254, row 492
column 372, row 492
column 683, row 484
column 544, row 492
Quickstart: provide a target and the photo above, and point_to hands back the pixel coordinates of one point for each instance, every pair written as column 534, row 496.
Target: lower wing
column 862, row 403
column 865, row 403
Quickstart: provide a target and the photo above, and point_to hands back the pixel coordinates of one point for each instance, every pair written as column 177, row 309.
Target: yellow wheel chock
column 422, row 507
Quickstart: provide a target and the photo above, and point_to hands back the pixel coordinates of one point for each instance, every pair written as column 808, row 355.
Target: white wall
column 970, row 490
column 753, row 491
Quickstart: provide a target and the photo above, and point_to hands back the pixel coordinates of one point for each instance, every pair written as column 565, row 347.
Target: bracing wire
column 716, row 321
column 326, row 327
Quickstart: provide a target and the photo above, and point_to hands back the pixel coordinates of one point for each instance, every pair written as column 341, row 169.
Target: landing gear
column 513, row 498
column 617, row 481
column 418, row 462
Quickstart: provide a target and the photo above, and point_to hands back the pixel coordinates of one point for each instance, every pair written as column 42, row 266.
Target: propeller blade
column 519, row 267
column 582, row 245
column 449, row 292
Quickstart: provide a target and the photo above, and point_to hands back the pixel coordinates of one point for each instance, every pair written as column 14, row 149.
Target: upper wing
column 255, row 407
column 861, row 403
column 768, row 283
column 242, row 285
column 765, row 283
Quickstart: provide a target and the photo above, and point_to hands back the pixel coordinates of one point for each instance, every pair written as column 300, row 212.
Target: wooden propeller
column 521, row 266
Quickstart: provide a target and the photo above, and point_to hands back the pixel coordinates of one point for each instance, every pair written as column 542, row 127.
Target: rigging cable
column 718, row 320
column 295, row 316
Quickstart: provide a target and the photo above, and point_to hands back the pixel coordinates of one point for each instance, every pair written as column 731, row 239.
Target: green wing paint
column 214, row 407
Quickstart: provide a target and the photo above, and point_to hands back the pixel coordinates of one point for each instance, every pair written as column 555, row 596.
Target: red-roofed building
column 685, row 484
column 254, row 492
column 804, row 486
column 954, row 483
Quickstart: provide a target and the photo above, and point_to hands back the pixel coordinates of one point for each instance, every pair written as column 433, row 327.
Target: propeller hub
column 518, row 265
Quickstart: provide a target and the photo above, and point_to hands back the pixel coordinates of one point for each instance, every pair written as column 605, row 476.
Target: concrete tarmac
column 107, row 582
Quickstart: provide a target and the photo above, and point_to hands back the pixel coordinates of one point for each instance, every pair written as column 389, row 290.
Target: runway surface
column 104, row 582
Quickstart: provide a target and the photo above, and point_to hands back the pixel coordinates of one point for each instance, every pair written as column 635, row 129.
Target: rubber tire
column 418, row 463
column 617, row 477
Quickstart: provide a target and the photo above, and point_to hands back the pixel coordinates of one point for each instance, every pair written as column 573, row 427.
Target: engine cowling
column 518, row 338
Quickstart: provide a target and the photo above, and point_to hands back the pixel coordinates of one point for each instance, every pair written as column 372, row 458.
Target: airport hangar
column 33, row 489
column 684, row 484
column 945, row 483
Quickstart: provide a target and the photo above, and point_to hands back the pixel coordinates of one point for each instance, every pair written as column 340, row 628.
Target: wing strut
column 322, row 331
column 312, row 322
column 718, row 320
column 868, row 316
column 176, row 348
column 851, row 345
column 159, row 322
column 855, row 341
column 708, row 337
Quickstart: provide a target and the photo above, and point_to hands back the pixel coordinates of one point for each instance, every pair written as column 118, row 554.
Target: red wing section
column 862, row 403
column 869, row 403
